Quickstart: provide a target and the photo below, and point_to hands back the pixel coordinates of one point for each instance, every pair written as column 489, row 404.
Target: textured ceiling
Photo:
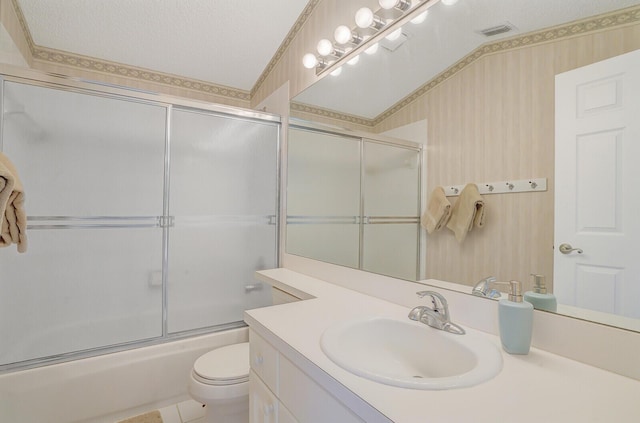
column 224, row 42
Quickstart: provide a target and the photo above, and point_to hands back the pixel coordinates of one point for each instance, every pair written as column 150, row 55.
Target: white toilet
column 220, row 381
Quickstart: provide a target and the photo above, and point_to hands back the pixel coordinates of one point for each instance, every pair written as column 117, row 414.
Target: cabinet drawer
column 264, row 360
column 263, row 405
column 307, row 400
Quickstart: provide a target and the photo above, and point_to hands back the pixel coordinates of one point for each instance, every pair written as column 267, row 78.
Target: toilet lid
column 226, row 364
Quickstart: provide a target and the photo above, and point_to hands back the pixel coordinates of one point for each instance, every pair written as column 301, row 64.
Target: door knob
column 568, row 249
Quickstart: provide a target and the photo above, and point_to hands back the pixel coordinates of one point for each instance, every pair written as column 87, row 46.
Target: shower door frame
column 95, row 88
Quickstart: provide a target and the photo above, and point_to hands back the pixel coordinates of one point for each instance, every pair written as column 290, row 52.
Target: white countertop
column 538, row 387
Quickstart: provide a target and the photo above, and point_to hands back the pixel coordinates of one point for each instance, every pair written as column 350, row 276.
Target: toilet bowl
column 220, row 380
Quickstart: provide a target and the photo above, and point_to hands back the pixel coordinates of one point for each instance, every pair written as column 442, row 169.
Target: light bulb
column 388, row 4
column 324, row 47
column 354, row 61
column 337, row 71
column 373, row 49
column 394, row 35
column 449, row 2
column 402, row 5
column 342, row 34
column 309, row 60
column 420, row 18
column 364, row 17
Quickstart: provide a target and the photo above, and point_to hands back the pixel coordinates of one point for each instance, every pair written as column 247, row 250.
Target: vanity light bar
column 330, row 62
column 502, row 187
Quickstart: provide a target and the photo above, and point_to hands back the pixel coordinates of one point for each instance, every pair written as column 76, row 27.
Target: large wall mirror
column 485, row 106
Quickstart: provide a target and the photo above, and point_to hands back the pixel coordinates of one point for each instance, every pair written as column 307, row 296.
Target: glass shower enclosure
column 147, row 219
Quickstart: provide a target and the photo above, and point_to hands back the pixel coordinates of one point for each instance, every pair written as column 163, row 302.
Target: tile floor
column 189, row 411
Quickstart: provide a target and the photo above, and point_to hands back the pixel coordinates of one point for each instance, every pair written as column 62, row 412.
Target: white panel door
column 597, row 174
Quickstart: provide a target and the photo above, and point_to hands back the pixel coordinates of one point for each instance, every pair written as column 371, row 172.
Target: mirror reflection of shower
column 354, row 201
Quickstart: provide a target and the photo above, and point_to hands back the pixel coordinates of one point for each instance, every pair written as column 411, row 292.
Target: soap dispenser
column 516, row 321
column 539, row 297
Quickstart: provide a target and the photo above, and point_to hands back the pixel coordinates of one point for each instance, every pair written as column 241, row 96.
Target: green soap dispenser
column 516, row 321
column 539, row 297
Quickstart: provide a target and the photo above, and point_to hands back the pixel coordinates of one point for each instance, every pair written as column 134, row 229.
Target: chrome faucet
column 483, row 288
column 436, row 316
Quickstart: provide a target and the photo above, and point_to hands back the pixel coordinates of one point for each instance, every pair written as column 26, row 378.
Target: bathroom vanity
column 292, row 379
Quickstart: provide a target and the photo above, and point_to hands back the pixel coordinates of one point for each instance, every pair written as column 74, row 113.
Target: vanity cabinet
column 282, row 393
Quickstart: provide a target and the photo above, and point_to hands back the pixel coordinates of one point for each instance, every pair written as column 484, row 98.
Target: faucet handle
column 483, row 288
column 439, row 302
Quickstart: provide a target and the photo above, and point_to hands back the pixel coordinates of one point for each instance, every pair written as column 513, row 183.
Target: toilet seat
column 223, row 366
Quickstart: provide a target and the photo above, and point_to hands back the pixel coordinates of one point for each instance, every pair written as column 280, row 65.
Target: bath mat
column 150, row 417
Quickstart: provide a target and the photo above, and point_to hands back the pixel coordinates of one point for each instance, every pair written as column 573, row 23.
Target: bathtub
column 109, row 387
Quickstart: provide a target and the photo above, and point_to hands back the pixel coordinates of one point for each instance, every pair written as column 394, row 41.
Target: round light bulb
column 394, row 35
column 388, row 4
column 342, row 34
column 372, row 50
column 337, row 71
column 354, row 61
column 449, row 2
column 324, row 47
column 364, row 17
column 420, row 18
column 309, row 61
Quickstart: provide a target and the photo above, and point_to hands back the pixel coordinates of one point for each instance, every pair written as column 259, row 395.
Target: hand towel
column 13, row 220
column 467, row 212
column 438, row 211
column 6, row 187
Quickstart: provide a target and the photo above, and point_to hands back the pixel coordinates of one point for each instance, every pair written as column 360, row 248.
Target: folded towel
column 438, row 211
column 467, row 212
column 6, row 187
column 13, row 220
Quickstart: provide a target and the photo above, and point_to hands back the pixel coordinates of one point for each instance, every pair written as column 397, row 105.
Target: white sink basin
column 410, row 354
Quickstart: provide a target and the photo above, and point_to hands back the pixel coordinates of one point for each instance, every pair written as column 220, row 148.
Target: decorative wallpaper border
column 318, row 111
column 87, row 63
column 581, row 27
column 118, row 69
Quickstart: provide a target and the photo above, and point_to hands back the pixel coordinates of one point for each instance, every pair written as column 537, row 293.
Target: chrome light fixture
column 344, row 35
column 402, row 5
column 365, row 18
column 370, row 28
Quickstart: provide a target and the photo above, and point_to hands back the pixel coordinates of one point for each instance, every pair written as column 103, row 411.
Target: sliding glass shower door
column 222, row 197
column 136, row 232
column 92, row 169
